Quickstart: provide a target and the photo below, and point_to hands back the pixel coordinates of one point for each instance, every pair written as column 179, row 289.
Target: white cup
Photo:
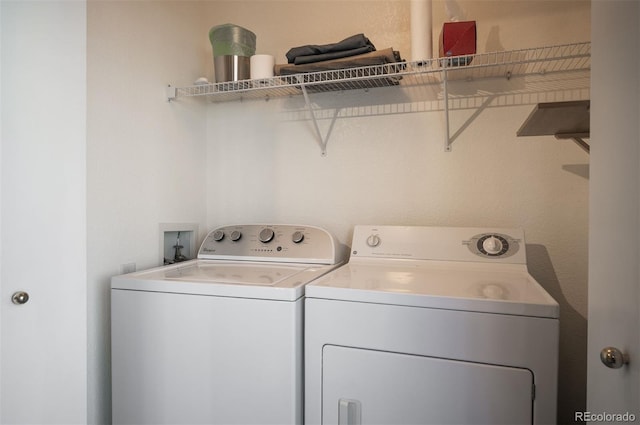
column 262, row 66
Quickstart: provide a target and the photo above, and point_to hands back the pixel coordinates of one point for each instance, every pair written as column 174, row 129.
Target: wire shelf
column 507, row 64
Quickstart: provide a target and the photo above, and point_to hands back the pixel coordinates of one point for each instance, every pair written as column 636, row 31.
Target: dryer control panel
column 499, row 245
column 271, row 242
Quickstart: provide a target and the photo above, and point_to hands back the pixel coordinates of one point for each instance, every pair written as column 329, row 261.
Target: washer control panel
column 268, row 242
column 500, row 245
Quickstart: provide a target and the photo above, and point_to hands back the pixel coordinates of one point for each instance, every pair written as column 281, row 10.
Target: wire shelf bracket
column 322, row 141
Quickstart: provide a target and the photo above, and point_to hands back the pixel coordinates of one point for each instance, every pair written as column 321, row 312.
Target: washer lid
column 490, row 288
column 245, row 279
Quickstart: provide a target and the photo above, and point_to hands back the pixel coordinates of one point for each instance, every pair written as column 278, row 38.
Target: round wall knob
column 20, row 297
column 613, row 358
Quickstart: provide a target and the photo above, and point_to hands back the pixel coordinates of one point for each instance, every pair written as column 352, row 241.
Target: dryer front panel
column 361, row 386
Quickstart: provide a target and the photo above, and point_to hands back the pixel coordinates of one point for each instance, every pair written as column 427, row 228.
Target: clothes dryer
column 219, row 339
column 428, row 325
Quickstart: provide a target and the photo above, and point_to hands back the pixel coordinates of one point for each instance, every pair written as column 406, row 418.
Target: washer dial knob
column 297, row 237
column 218, row 235
column 236, row 235
column 266, row 235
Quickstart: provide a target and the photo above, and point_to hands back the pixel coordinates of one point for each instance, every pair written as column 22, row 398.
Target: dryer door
column 362, row 386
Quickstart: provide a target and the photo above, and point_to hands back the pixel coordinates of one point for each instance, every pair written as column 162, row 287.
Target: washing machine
column 218, row 339
column 431, row 325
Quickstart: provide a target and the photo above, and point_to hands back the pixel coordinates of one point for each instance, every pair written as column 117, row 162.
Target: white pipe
column 455, row 12
column 421, row 19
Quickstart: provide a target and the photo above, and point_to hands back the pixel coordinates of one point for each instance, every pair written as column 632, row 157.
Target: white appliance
column 219, row 339
column 429, row 325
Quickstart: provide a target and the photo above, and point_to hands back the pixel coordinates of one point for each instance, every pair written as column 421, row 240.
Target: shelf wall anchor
column 171, row 93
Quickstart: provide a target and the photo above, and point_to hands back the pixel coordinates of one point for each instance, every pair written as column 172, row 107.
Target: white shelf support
column 322, row 141
column 576, row 137
column 445, row 89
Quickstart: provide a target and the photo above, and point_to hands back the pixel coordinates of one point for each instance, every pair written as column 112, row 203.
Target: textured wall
column 385, row 162
column 152, row 162
column 145, row 156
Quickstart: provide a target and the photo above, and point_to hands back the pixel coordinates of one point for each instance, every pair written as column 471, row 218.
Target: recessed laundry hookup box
column 458, row 39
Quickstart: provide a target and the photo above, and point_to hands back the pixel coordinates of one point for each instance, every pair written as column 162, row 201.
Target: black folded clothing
column 316, row 81
column 379, row 57
column 351, row 46
column 301, row 60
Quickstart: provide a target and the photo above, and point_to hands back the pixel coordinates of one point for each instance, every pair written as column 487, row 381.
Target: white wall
column 145, row 156
column 390, row 168
column 152, row 162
